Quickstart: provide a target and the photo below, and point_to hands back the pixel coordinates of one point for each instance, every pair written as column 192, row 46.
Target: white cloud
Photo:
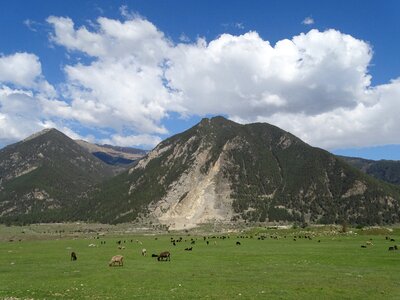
column 145, row 140
column 31, row 25
column 315, row 79
column 124, row 87
column 315, row 84
column 21, row 69
column 20, row 114
column 184, row 38
column 236, row 25
column 308, row 21
column 244, row 75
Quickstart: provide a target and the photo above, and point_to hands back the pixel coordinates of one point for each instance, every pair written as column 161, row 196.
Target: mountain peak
column 39, row 133
column 217, row 121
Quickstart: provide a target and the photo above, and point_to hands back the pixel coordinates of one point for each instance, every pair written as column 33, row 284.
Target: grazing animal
column 144, row 252
column 154, row 255
column 121, row 247
column 395, row 247
column 73, row 256
column 363, row 246
column 189, row 249
column 164, row 256
column 391, row 248
column 117, row 259
column 392, row 240
column 369, row 243
column 238, row 243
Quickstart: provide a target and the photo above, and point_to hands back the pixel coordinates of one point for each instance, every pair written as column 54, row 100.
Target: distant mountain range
column 113, row 155
column 386, row 170
column 217, row 170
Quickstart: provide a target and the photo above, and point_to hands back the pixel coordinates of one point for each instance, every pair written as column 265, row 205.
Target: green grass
column 335, row 268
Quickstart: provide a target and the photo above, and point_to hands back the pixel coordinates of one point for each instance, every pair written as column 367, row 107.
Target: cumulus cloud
column 184, row 38
column 21, row 114
column 246, row 75
column 315, row 84
column 125, row 85
column 21, row 69
column 315, row 79
column 308, row 21
column 144, row 140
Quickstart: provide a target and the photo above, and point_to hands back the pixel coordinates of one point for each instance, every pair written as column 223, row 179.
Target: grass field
column 334, row 268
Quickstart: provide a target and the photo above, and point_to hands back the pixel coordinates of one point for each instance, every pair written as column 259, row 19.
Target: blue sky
column 135, row 72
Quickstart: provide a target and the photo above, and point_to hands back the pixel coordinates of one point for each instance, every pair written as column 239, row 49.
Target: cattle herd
column 118, row 260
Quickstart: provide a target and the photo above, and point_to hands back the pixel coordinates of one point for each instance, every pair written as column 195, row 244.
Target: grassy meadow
column 38, row 266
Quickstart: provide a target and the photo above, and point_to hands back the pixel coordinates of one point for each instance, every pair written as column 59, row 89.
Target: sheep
column 144, row 252
column 369, row 243
column 117, row 259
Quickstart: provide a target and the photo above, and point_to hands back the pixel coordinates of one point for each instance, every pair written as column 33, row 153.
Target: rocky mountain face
column 223, row 171
column 113, row 155
column 42, row 176
column 386, row 170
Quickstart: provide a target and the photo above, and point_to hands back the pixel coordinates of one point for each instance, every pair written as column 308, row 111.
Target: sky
column 132, row 73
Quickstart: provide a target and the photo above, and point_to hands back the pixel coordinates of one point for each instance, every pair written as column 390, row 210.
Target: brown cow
column 117, row 259
column 164, row 255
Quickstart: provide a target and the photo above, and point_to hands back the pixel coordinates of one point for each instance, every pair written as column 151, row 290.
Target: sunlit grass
column 334, row 268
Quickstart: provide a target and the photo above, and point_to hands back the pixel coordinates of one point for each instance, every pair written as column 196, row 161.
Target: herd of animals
column 118, row 260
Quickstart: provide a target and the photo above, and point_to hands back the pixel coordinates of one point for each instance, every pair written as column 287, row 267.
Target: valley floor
column 269, row 263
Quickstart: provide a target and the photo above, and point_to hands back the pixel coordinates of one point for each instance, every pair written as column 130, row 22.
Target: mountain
column 386, row 170
column 42, row 176
column 113, row 155
column 223, row 171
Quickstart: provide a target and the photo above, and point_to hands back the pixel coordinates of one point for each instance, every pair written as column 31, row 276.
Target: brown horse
column 164, row 255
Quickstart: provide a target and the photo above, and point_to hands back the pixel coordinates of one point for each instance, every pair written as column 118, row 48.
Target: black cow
column 238, row 243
